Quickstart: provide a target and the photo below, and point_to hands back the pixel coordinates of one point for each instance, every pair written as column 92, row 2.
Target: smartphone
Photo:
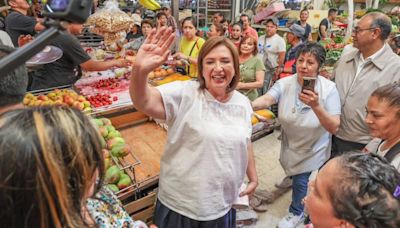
column 308, row 83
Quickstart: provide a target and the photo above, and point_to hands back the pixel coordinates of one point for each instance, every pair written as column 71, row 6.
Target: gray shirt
column 382, row 69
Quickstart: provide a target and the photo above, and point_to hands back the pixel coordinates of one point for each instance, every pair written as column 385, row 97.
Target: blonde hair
column 209, row 46
column 48, row 158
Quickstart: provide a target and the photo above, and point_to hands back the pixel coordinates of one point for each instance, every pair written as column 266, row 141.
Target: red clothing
column 250, row 32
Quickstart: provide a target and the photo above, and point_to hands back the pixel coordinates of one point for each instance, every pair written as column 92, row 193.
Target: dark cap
column 274, row 20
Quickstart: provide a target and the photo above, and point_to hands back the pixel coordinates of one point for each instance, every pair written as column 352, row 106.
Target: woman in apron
column 308, row 117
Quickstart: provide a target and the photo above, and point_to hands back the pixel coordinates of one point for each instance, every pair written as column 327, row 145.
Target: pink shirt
column 250, row 32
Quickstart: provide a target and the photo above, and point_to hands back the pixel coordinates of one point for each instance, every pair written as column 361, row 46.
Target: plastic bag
column 109, row 19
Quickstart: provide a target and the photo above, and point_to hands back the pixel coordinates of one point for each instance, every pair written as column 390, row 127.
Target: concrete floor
column 266, row 152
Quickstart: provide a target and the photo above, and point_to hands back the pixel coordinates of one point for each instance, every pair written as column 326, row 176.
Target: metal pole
column 175, row 10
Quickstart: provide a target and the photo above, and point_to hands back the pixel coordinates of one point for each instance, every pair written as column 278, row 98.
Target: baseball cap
column 296, row 29
column 136, row 19
column 274, row 20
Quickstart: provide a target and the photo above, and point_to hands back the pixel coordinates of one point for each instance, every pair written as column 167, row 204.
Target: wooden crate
column 143, row 208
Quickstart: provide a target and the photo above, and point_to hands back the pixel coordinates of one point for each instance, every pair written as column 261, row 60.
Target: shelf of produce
column 147, row 140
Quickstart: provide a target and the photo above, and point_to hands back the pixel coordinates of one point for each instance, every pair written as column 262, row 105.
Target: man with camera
column 67, row 69
column 359, row 72
column 18, row 23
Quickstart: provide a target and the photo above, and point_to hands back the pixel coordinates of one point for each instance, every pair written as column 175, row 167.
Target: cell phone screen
column 308, row 83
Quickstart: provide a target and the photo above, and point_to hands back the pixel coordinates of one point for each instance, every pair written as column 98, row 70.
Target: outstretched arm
column 152, row 54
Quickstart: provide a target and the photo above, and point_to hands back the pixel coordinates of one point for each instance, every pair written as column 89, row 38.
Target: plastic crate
column 282, row 22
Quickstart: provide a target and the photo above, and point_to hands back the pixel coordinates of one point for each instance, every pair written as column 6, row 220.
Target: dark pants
column 340, row 146
column 167, row 218
column 299, row 186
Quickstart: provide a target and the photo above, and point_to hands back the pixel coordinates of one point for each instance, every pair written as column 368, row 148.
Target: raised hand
column 154, row 51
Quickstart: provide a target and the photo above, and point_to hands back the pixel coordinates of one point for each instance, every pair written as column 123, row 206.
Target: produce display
column 100, row 100
column 165, row 74
column 114, row 148
column 171, row 78
column 59, row 97
column 262, row 114
column 334, row 48
column 105, row 88
column 161, row 72
column 116, row 179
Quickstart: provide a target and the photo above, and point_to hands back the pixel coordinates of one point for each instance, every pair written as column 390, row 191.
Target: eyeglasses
column 357, row 29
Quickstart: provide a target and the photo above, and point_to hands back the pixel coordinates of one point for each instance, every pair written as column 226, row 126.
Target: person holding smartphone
column 309, row 112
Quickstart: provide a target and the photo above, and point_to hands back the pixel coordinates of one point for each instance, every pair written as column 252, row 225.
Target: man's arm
column 92, row 65
column 39, row 25
column 281, row 60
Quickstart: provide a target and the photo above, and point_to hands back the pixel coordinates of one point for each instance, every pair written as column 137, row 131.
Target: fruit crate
column 129, row 169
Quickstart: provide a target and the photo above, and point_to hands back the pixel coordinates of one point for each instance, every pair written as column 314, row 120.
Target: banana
column 150, row 4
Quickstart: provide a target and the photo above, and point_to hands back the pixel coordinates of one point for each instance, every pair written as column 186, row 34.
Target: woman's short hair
column 363, row 192
column 147, row 21
column 314, row 49
column 48, row 159
column 389, row 93
column 253, row 40
column 210, row 45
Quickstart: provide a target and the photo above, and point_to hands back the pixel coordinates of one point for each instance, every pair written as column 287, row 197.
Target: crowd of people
column 345, row 127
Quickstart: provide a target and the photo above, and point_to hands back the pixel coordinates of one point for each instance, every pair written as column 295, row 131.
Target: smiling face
column 318, row 203
column 383, row 120
column 306, row 66
column 304, row 16
column 218, row 69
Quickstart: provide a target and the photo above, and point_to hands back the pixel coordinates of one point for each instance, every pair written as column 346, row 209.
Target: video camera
column 76, row 11
column 55, row 12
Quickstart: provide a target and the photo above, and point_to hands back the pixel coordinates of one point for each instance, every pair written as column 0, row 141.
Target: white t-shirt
column 205, row 158
column 269, row 48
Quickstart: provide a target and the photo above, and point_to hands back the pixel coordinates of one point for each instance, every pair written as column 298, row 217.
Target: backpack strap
column 393, row 152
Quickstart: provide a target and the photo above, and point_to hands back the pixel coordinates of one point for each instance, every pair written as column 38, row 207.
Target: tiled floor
column 266, row 152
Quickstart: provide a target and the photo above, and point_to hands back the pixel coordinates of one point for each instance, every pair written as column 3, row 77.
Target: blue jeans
column 299, row 187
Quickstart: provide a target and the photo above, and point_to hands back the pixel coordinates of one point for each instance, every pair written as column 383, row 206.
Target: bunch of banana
column 150, row 4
